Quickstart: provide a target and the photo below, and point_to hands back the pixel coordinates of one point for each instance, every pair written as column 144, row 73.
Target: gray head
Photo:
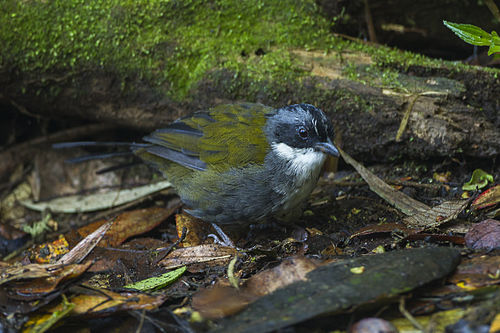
column 301, row 126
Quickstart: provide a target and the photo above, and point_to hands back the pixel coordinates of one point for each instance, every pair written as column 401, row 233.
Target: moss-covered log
column 145, row 63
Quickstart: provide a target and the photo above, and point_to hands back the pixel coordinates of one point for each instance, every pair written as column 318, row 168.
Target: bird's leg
column 224, row 239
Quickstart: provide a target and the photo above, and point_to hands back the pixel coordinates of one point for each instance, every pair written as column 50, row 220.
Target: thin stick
column 408, row 315
column 369, row 23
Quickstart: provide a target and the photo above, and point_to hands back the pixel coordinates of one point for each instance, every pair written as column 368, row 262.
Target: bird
column 237, row 162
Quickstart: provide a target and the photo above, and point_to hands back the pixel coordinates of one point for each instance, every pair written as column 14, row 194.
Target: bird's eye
column 303, row 132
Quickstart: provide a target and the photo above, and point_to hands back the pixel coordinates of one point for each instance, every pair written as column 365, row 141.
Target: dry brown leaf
column 437, row 238
column 484, row 235
column 196, row 229
column 108, row 302
column 30, row 271
column 54, row 273
column 401, row 201
column 48, row 284
column 222, row 300
column 420, row 215
column 383, row 228
column 437, row 215
column 129, row 224
column 289, row 271
column 136, row 254
column 477, row 272
column 9, row 232
column 207, row 254
column 85, row 246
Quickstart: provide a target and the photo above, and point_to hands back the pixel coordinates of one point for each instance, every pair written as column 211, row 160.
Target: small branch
column 408, row 315
column 391, row 182
column 493, row 8
column 404, row 121
column 369, row 23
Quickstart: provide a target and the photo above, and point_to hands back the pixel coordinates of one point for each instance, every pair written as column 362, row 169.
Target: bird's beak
column 327, row 148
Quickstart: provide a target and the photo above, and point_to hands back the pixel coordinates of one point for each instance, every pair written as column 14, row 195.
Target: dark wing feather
column 177, row 157
column 223, row 137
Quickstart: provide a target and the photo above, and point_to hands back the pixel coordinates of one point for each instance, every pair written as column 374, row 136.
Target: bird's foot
column 224, row 239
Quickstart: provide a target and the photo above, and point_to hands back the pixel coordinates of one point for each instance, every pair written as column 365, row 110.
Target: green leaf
column 475, row 36
column 495, row 43
column 479, row 179
column 470, row 33
column 157, row 282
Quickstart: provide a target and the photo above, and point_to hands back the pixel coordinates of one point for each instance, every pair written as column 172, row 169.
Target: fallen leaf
column 443, row 177
column 157, row 282
column 439, row 321
column 9, row 208
column 420, row 215
column 383, row 228
column 477, row 272
column 401, row 201
column 495, row 324
column 488, row 198
column 484, row 235
column 289, row 271
column 357, row 270
column 30, row 271
column 196, row 229
column 138, row 255
column 83, row 248
column 109, row 302
column 50, row 275
column 45, row 285
column 223, row 300
column 42, row 322
column 206, row 254
column 479, row 179
column 129, row 224
column 459, row 240
column 437, row 215
column 94, row 202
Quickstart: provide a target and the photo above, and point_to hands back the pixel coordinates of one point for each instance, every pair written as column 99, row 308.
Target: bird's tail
column 131, row 147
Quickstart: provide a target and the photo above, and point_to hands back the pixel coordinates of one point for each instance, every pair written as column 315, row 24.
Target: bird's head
column 300, row 129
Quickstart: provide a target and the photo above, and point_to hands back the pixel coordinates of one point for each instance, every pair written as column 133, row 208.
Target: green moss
column 161, row 40
column 179, row 42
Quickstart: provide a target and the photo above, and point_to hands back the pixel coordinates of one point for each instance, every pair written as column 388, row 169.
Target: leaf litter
column 136, row 259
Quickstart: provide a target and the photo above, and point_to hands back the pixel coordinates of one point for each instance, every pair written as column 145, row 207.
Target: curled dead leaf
column 484, row 235
column 222, row 301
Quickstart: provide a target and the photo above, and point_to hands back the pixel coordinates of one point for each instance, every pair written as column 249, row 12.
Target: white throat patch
column 302, row 163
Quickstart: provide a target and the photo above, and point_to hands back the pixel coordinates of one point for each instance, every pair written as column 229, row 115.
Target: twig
column 391, row 182
column 404, row 121
column 409, row 316
column 369, row 23
column 168, row 249
column 22, row 109
column 233, row 280
column 493, row 8
column 141, row 321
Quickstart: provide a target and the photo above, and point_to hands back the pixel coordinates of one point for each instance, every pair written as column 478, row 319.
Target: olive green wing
column 223, row 137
